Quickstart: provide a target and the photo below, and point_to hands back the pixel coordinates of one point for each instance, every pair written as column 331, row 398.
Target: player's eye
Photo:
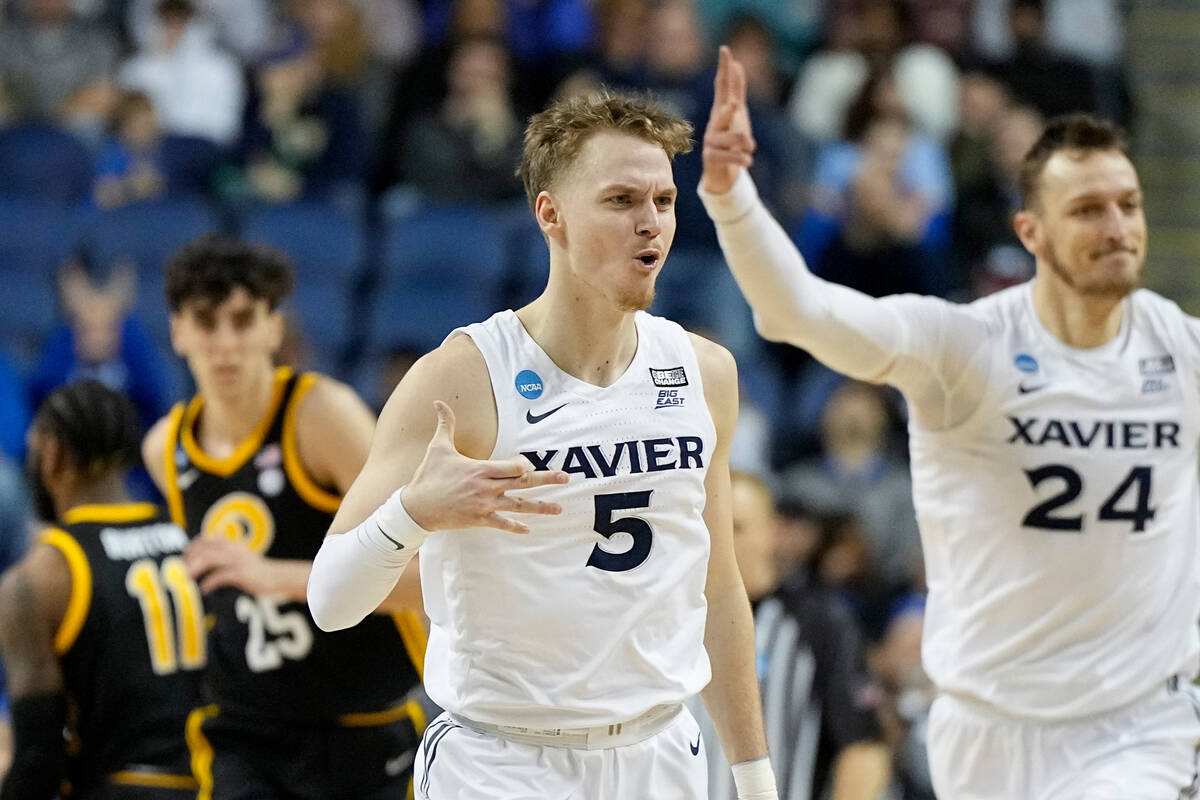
column 619, row 199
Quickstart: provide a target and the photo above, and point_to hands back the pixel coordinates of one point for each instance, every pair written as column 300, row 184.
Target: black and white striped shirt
column 817, row 695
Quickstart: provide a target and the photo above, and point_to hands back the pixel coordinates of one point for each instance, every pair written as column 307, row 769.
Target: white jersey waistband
column 600, row 737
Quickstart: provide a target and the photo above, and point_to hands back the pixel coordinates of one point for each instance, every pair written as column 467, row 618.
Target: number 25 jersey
column 598, row 614
column 1060, row 520
column 267, row 658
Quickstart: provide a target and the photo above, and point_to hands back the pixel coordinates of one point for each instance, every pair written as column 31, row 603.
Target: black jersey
column 266, row 656
column 130, row 645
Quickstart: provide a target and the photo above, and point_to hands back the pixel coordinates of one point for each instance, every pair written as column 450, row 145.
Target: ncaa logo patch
column 1025, row 362
column 529, row 384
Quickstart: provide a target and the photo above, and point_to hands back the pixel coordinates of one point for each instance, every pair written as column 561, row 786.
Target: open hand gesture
column 728, row 140
column 450, row 491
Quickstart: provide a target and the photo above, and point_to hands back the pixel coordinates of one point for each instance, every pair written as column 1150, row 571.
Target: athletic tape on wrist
column 755, row 780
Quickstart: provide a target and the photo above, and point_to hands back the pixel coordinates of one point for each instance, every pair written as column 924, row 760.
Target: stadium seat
column 322, row 240
column 188, row 162
column 36, row 237
column 147, row 234
column 42, row 161
column 441, row 268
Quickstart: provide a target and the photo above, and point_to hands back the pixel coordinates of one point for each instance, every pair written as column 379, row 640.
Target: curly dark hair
column 211, row 267
column 96, row 426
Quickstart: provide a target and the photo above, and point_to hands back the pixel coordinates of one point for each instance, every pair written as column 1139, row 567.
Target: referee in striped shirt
column 818, row 700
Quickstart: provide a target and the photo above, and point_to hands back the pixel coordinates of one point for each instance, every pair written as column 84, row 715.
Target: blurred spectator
column 196, row 88
column 881, row 202
column 14, row 412
column 876, row 37
column 130, row 168
column 56, row 70
column 797, row 537
column 819, row 702
column 783, row 159
column 856, row 473
column 909, row 693
column 467, row 149
column 304, row 137
column 942, row 23
column 102, row 340
column 622, row 42
column 245, row 27
column 336, row 36
column 985, row 239
column 16, row 514
column 794, row 27
column 1052, row 83
column 1090, row 30
column 679, row 71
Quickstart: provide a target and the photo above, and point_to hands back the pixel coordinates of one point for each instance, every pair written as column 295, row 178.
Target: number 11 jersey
column 1060, row 519
column 598, row 614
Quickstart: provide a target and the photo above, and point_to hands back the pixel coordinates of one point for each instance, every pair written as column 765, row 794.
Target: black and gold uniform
column 130, row 645
column 292, row 711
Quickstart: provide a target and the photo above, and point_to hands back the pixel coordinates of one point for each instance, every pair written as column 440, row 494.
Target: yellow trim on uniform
column 313, row 494
column 410, row 709
column 115, row 512
column 415, row 637
column 160, row 780
column 81, row 587
column 171, row 469
column 201, row 749
column 224, row 467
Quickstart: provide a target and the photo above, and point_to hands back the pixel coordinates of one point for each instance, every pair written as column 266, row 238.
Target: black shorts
column 243, row 758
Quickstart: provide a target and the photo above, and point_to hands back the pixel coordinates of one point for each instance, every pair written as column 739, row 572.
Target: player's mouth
column 649, row 259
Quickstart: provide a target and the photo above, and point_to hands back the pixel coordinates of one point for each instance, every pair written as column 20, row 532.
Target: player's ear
column 175, row 323
column 549, row 218
column 278, row 326
column 1026, row 223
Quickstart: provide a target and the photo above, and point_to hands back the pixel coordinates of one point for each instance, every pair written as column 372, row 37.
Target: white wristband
column 394, row 533
column 355, row 571
column 755, row 780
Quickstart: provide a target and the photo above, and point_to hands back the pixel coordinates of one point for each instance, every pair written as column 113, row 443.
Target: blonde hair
column 555, row 135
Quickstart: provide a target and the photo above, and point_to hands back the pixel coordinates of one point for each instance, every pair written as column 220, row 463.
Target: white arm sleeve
column 355, row 571
column 924, row 346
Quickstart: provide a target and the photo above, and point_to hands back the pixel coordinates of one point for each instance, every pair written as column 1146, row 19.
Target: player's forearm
column 732, row 697
column 287, row 577
column 39, row 759
column 356, row 571
column 862, row 772
column 841, row 327
column 406, row 594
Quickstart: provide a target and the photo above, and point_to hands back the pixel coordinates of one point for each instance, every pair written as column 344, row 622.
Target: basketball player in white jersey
column 1054, row 437
column 563, row 645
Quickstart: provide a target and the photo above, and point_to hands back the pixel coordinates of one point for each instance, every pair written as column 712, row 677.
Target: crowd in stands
column 375, row 141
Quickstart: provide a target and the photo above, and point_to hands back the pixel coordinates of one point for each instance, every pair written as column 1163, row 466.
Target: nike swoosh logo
column 1023, row 389
column 695, row 747
column 390, row 539
column 533, row 419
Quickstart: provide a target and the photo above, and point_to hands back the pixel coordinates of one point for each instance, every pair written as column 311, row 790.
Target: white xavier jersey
column 598, row 614
column 1060, row 519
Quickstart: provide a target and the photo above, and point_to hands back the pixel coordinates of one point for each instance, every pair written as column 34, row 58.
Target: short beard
column 638, row 302
column 1113, row 289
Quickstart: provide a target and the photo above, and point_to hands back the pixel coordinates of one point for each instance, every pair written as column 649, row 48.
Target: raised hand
column 728, row 140
column 451, row 491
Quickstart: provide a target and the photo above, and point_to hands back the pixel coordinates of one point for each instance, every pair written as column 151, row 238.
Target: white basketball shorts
column 1146, row 750
column 457, row 762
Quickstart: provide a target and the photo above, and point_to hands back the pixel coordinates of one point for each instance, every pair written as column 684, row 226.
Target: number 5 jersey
column 266, row 656
column 598, row 614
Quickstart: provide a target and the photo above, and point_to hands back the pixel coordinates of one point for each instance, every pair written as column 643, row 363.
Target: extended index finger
column 736, row 84
column 721, row 84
